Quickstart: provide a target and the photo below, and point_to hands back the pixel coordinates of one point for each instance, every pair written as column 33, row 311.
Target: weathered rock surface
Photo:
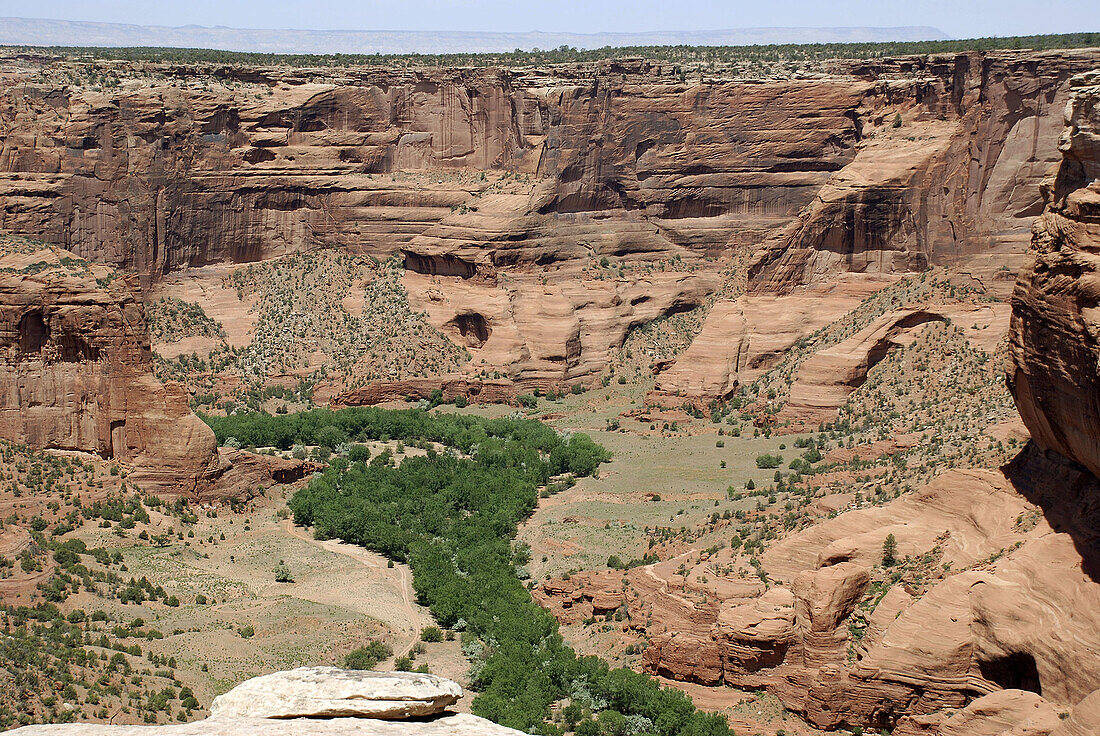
column 1010, row 603
column 242, row 474
column 1055, row 329
column 1084, row 719
column 743, row 338
column 1002, row 713
column 323, row 692
column 827, row 378
column 75, row 371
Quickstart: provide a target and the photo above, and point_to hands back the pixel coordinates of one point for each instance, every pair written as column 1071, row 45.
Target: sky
column 956, row 18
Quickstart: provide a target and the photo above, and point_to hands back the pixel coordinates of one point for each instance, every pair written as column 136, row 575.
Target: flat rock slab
column 452, row 724
column 328, row 692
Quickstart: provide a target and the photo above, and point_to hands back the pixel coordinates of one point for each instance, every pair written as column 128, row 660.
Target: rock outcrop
column 1055, row 328
column 76, row 371
column 459, row 724
column 828, row 377
column 1003, row 713
column 954, row 184
column 1009, row 602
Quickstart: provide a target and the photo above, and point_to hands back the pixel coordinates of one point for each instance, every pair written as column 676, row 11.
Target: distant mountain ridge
column 46, row 32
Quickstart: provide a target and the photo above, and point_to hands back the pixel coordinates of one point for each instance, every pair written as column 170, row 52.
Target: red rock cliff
column 75, row 371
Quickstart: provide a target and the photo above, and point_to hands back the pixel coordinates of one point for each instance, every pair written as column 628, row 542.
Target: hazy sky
column 957, row 18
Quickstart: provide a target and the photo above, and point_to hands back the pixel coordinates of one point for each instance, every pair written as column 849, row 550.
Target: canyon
column 772, row 251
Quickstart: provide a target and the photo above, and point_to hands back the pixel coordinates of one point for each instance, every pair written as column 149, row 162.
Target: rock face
column 320, row 701
column 1003, row 713
column 611, row 188
column 955, row 184
column 75, row 371
column 324, row 692
column 1055, row 328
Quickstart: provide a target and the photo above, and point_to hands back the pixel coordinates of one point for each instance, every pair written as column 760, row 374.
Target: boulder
column 1004, row 713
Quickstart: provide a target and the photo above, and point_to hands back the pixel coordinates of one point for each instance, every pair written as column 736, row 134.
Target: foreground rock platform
column 318, row 701
column 456, row 724
column 330, row 692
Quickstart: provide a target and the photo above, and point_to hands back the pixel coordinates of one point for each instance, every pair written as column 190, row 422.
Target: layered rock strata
column 542, row 217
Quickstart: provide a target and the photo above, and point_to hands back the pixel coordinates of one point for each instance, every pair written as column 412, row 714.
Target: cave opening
column 439, row 265
column 33, row 333
column 1016, row 671
column 473, row 327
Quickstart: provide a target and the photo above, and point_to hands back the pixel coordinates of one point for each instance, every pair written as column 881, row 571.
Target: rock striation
column 75, row 371
column 1055, row 326
column 1009, row 603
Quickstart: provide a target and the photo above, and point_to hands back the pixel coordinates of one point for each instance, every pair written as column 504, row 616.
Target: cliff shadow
column 1068, row 495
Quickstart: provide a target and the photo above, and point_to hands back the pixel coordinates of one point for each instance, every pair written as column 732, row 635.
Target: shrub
column 367, row 657
column 431, row 634
column 768, row 461
column 452, row 516
column 282, row 573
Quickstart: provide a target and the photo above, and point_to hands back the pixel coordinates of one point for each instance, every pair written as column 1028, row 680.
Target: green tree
column 889, row 551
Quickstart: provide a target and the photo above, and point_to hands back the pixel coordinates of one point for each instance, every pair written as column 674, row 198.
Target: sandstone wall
column 1055, row 329
column 183, row 166
column 802, row 179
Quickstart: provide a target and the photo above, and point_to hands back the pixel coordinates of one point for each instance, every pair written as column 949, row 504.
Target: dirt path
column 398, row 576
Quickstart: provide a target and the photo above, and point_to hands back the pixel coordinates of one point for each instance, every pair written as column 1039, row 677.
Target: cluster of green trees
column 452, row 517
column 578, row 455
column 565, row 54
